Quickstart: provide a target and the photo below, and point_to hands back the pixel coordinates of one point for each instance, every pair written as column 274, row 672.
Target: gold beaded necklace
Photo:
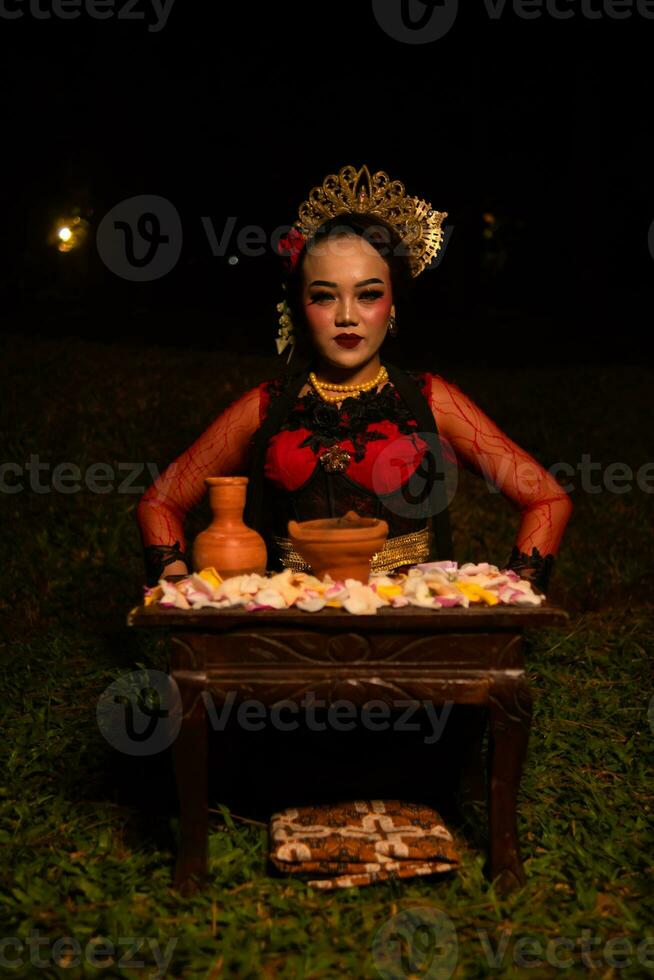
column 322, row 387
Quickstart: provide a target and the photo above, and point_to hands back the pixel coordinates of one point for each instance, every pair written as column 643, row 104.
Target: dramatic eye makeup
column 367, row 294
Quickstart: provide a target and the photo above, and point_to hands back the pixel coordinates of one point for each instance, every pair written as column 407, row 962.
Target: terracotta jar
column 343, row 547
column 228, row 544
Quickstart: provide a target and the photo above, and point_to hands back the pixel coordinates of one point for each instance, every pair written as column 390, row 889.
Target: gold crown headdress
column 352, row 191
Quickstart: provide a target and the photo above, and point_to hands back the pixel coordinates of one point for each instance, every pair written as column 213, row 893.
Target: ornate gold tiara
column 352, row 190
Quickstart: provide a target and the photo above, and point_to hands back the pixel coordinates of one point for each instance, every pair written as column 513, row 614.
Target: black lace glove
column 536, row 568
column 157, row 556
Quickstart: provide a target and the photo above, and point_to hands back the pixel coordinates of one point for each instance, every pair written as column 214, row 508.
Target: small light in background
column 233, row 260
column 491, row 221
column 69, row 232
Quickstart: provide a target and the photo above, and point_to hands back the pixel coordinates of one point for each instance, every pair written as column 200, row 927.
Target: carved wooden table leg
column 472, row 783
column 191, row 773
column 510, row 705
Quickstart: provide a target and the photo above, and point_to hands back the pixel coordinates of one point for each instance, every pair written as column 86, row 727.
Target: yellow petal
column 388, row 591
column 211, row 576
column 475, row 593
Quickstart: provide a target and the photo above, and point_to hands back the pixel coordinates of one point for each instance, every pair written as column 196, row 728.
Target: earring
column 392, row 327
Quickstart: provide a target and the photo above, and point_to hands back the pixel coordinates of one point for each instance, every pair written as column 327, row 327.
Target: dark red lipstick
column 347, row 339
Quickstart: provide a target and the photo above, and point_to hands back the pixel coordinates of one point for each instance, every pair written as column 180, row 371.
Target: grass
column 87, row 836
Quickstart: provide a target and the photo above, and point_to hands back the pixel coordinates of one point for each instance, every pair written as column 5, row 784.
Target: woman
column 347, row 429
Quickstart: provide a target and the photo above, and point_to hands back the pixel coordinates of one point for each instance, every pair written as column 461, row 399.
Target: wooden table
column 465, row 656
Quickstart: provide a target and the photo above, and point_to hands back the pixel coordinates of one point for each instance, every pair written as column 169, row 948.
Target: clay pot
column 342, row 547
column 228, row 544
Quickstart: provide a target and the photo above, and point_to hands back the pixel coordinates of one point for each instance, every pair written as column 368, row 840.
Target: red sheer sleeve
column 479, row 444
column 221, row 450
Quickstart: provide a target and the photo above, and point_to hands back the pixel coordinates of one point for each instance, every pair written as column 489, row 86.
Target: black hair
column 374, row 230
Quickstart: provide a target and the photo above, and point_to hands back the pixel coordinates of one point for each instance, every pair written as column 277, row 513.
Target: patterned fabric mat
column 360, row 842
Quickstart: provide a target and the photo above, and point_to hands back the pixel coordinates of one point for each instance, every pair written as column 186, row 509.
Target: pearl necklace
column 322, row 387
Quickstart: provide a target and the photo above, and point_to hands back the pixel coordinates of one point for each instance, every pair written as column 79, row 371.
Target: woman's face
column 346, row 289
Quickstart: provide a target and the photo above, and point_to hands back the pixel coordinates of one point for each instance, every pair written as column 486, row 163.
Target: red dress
column 385, row 453
column 367, row 455
column 293, row 453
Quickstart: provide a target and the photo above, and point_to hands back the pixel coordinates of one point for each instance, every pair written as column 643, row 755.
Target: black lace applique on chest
column 329, row 424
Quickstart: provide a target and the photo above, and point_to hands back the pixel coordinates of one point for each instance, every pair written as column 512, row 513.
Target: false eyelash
column 374, row 293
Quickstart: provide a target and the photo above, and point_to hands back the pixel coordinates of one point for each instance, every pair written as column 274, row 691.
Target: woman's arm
column 544, row 506
column 221, row 450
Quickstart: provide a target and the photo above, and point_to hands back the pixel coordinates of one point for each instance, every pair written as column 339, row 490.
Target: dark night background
column 239, row 111
column 535, row 137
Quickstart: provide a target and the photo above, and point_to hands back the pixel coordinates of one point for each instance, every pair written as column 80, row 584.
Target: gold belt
column 405, row 549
